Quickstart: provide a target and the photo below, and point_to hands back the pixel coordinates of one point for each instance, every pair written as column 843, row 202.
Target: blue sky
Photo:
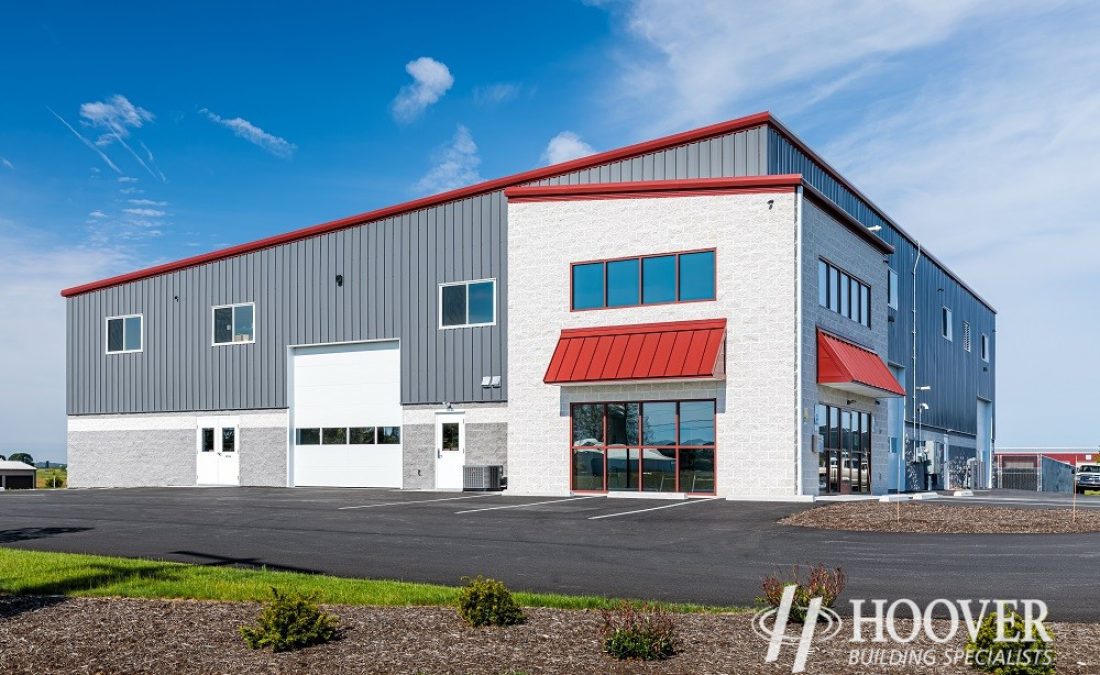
column 135, row 133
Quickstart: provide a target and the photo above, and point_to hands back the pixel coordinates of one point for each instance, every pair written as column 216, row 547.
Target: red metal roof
column 679, row 349
column 655, row 188
column 848, row 366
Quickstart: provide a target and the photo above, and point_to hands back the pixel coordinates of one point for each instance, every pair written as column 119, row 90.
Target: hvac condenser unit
column 483, row 478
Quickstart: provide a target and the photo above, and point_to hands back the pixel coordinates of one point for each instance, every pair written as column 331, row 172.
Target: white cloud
column 97, row 214
column 146, row 202
column 127, row 179
column 147, row 213
column 242, row 128
column 7, row 162
column 38, row 268
column 564, row 147
column 431, row 79
column 455, row 165
column 497, row 93
column 92, row 146
column 114, row 118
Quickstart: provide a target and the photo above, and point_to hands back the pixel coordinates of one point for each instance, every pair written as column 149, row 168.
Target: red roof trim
column 424, row 202
column 654, row 188
column 841, row 361
column 654, row 351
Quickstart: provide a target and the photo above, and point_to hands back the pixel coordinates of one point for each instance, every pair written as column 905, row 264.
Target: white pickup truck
column 1087, row 478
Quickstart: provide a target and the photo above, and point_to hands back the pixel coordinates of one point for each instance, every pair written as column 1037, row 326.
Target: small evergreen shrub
column 53, row 481
column 488, row 602
column 821, row 582
column 290, row 621
column 1030, row 657
column 645, row 632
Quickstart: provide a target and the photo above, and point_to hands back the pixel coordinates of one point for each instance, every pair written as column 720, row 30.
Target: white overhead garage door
column 346, row 412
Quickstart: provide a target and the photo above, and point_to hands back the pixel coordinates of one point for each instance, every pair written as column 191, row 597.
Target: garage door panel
column 355, row 385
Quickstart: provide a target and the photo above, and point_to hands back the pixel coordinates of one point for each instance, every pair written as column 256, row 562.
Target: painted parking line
column 417, row 501
column 520, row 506
column 654, row 508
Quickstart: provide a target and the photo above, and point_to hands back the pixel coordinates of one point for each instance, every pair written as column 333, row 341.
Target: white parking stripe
column 418, row 501
column 655, row 508
column 520, row 506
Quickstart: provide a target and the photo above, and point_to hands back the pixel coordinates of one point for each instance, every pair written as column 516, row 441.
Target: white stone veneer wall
column 754, row 235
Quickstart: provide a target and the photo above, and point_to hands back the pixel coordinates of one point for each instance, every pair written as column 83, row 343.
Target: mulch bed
column 102, row 635
column 916, row 516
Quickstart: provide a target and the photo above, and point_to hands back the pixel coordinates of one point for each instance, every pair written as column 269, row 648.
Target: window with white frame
column 234, row 324
column 945, row 324
column 985, row 347
column 966, row 335
column 124, row 334
column 892, row 289
column 463, row 304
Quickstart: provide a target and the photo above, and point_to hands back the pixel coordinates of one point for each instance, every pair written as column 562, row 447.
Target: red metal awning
column 849, row 367
column 676, row 350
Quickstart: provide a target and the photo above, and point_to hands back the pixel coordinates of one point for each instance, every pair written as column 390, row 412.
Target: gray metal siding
column 957, row 377
column 391, row 268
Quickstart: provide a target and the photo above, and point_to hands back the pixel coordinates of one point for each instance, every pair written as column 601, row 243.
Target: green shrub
column 645, row 632
column 488, row 602
column 1023, row 657
column 820, row 583
column 53, row 481
column 290, row 621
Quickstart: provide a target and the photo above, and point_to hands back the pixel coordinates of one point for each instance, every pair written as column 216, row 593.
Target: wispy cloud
column 7, row 162
column 497, row 93
column 114, row 118
column 92, row 146
column 146, row 202
column 147, row 213
column 242, row 128
column 564, row 147
column 456, row 165
column 431, row 79
column 97, row 214
column 127, row 179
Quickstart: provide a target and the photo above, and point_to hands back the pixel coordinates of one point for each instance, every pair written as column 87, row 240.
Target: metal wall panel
column 957, row 377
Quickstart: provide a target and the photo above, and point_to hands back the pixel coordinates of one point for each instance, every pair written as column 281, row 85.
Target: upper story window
column 235, row 324
column 842, row 293
column 946, row 329
column 966, row 335
column 985, row 347
column 892, row 289
column 644, row 280
column 468, row 303
column 124, row 334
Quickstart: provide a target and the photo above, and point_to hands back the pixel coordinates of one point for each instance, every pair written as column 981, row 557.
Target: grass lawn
column 40, row 573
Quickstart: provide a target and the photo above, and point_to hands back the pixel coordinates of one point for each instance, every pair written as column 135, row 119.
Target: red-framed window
column 665, row 278
column 643, row 446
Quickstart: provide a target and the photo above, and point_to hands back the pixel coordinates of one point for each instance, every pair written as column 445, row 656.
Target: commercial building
column 714, row 312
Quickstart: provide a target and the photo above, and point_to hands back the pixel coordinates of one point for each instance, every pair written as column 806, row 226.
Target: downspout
column 798, row 390
column 913, row 382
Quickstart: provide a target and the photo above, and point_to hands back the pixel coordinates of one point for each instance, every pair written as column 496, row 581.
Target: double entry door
column 217, row 460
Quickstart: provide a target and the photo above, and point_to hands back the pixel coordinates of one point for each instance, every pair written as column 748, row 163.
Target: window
column 892, row 289
column 124, row 334
column 654, row 446
column 361, row 436
column 844, row 464
column 467, row 303
column 945, row 324
column 234, row 324
column 842, row 293
column 229, row 439
column 643, row 280
column 334, row 436
column 347, row 435
column 985, row 348
column 389, row 435
column 207, row 440
column 966, row 335
column 308, row 437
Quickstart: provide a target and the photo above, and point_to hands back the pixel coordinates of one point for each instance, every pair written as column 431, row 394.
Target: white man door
column 450, row 449
column 218, row 451
column 346, row 415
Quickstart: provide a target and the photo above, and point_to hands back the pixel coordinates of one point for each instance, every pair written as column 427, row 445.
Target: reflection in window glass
column 697, row 276
column 334, row 436
column 622, row 423
column 845, row 287
column 622, row 469
column 659, row 470
column 697, row 423
column 588, row 424
column 223, row 325
column 587, row 469
column 622, row 283
column 361, row 436
column 834, row 289
column 115, row 330
column 242, row 323
column 454, row 305
column 308, row 437
column 229, row 439
column 480, row 302
column 659, row 279
column 822, row 283
column 697, row 471
column 865, row 305
column 450, row 433
column 389, row 435
column 659, row 423
column 133, row 333
column 588, row 286
column 208, row 440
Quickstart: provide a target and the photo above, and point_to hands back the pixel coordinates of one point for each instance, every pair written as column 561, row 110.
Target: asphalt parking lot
column 711, row 551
